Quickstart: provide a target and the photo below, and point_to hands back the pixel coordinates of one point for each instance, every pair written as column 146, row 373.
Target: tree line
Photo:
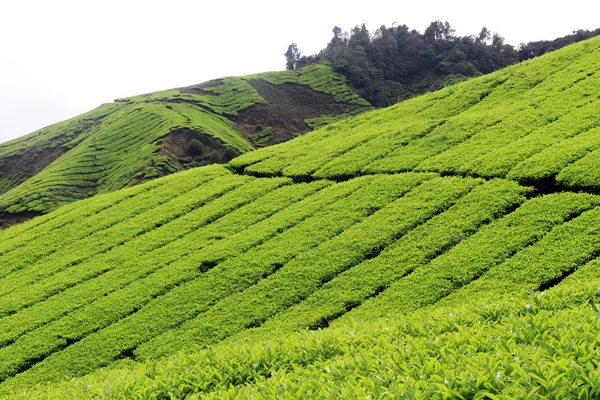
column 395, row 63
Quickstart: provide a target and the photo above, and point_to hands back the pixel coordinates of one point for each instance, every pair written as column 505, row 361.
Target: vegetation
column 443, row 247
column 395, row 63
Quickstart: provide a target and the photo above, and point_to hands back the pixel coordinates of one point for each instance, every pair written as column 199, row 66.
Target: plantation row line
column 43, row 138
column 540, row 105
column 454, row 353
column 507, row 236
column 20, row 235
column 536, row 227
column 144, row 239
column 122, row 129
column 102, row 161
column 66, row 134
column 228, row 97
column 162, row 298
column 234, row 94
column 442, row 234
column 567, row 248
column 350, row 128
column 157, row 250
column 303, row 160
column 418, row 113
column 320, row 79
column 216, row 235
column 307, row 273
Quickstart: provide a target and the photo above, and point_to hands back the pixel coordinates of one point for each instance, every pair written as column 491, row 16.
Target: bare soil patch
column 289, row 105
column 22, row 167
column 188, row 148
column 8, row 220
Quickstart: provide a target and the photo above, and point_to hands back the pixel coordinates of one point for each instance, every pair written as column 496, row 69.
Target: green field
column 445, row 247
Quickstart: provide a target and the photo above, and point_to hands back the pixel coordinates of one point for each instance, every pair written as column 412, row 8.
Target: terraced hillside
column 143, row 137
column 536, row 123
column 411, row 234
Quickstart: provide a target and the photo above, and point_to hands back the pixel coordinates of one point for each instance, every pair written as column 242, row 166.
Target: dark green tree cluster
column 535, row 49
column 395, row 63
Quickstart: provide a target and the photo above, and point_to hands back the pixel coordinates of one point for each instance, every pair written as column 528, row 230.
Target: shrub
column 230, row 153
column 195, row 147
column 214, row 157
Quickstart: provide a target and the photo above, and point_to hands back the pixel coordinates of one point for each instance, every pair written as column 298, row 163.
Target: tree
column 337, row 36
column 292, row 56
column 195, row 147
column 437, row 31
column 497, row 41
column 484, row 36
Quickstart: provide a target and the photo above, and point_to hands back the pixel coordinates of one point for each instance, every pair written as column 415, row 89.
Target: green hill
column 416, row 237
column 144, row 137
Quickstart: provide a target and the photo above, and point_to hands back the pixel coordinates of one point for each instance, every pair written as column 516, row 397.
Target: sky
column 61, row 58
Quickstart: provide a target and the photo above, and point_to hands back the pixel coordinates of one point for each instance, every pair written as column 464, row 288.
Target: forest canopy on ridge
column 395, row 63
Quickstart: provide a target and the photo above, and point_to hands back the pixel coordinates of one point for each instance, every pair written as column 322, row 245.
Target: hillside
column 143, row 137
column 415, row 236
column 535, row 123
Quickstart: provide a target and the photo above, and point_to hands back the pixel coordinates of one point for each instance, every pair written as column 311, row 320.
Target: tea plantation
column 118, row 145
column 445, row 247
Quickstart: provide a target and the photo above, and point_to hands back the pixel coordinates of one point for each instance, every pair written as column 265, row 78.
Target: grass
column 407, row 252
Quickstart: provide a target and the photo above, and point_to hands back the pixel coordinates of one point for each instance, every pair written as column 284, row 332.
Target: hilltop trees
column 535, row 49
column 394, row 63
column 292, row 55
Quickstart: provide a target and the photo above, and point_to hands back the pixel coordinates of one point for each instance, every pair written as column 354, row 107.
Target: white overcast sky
column 61, row 58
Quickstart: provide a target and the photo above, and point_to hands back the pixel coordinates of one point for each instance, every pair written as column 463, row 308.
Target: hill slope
column 535, row 122
column 143, row 137
column 472, row 194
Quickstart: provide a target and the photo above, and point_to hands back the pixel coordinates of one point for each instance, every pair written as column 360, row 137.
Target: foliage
column 536, row 49
column 195, row 147
column 292, row 55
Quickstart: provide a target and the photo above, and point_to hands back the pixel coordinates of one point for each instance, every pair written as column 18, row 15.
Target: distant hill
column 143, row 137
column 446, row 246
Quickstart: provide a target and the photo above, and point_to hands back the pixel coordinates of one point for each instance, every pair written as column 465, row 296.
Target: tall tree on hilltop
column 337, row 36
column 438, row 31
column 292, row 56
column 484, row 36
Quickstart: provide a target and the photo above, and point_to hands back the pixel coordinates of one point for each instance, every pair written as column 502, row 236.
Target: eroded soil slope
column 289, row 105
